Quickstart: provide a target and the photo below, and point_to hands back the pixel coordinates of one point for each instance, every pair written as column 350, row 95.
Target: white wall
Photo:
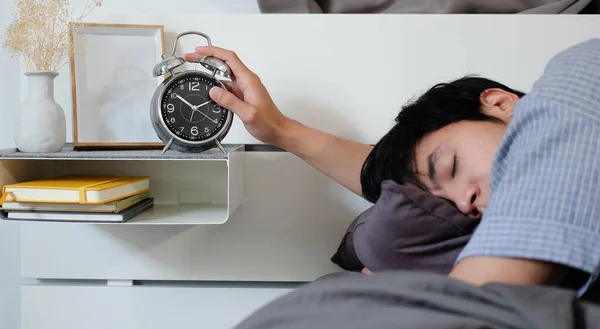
column 10, row 96
column 10, row 252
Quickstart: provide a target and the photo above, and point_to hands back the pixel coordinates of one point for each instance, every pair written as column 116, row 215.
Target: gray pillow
column 345, row 256
column 407, row 229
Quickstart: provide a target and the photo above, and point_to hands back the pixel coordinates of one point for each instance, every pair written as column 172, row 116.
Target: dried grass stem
column 39, row 32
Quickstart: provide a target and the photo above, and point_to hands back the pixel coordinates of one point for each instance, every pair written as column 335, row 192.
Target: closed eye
column 454, row 165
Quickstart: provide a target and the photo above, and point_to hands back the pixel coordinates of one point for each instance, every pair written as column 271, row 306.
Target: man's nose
column 466, row 203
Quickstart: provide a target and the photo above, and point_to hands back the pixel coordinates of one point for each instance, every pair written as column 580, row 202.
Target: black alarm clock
column 183, row 115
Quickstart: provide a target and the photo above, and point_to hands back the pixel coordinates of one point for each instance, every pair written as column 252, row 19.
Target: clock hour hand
column 195, row 108
column 186, row 102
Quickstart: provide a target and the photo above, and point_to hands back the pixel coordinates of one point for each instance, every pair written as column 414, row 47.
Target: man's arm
column 481, row 270
column 336, row 157
column 247, row 97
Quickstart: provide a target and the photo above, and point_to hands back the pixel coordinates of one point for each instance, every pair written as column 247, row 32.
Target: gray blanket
column 417, row 300
column 423, row 6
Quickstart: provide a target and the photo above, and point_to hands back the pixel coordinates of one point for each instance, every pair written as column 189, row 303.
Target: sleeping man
column 526, row 165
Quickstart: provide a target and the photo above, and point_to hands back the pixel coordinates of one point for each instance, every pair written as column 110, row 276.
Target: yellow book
column 83, row 189
column 114, row 206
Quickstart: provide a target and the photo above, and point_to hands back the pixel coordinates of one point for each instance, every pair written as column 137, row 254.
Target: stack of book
column 78, row 198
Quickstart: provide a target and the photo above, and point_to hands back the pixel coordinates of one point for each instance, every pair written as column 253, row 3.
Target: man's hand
column 338, row 158
column 248, row 98
column 481, row 270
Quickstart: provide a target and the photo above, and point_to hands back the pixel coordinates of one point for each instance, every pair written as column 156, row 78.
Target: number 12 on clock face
column 193, row 86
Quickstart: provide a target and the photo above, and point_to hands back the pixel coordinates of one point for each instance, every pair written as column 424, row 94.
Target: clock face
column 188, row 111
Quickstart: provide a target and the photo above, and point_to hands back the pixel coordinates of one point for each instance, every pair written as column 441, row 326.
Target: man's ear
column 498, row 103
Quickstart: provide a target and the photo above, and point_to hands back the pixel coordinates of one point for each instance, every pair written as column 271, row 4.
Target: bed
column 421, row 300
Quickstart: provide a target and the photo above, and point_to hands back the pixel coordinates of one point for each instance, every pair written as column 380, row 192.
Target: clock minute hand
column 197, row 106
column 209, row 118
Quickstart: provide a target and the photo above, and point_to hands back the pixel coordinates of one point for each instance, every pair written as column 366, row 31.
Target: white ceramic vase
column 41, row 124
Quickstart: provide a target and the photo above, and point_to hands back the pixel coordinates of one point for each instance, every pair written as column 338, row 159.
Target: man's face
column 455, row 162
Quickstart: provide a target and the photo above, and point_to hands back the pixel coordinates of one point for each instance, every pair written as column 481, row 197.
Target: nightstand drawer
column 135, row 307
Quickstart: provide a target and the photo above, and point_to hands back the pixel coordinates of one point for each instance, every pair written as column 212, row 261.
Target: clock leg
column 220, row 146
column 167, row 146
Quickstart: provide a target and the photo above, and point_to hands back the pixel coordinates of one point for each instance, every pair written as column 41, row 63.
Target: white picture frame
column 112, row 84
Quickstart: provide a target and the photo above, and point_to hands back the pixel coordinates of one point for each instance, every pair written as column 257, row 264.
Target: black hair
column 393, row 157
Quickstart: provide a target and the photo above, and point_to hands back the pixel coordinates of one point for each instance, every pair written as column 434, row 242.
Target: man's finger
column 236, row 65
column 229, row 101
column 231, row 88
column 228, row 85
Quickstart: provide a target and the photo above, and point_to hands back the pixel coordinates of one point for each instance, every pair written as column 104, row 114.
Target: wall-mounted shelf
column 188, row 188
column 68, row 153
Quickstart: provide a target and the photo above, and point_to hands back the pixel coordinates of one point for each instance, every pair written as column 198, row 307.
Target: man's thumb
column 228, row 100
